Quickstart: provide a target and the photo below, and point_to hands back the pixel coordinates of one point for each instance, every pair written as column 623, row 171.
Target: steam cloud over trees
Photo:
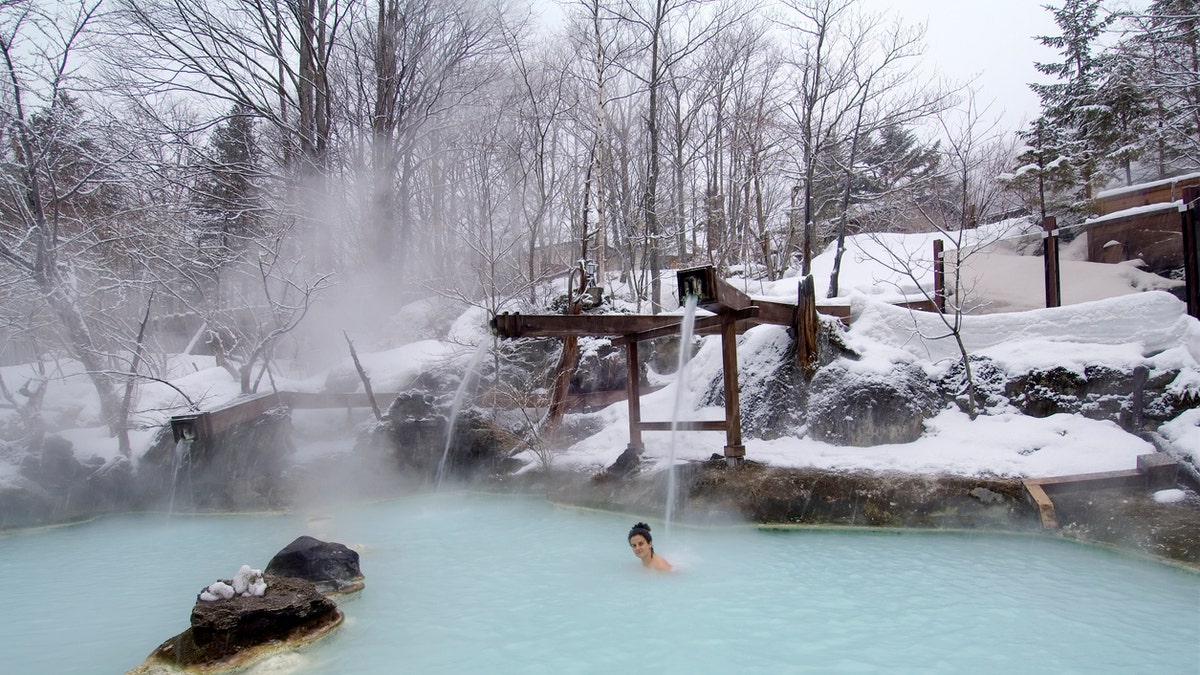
column 221, row 164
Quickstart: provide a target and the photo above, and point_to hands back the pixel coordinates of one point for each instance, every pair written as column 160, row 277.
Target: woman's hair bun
column 640, row 529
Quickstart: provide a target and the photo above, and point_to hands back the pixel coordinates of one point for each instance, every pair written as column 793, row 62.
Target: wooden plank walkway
column 1154, row 471
column 205, row 423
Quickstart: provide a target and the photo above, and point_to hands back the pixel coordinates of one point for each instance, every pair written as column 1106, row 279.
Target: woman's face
column 641, row 547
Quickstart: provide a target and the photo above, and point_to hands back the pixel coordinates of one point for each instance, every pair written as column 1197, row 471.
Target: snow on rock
column 249, row 582
column 1121, row 332
column 246, row 583
column 1184, row 434
column 1171, row 496
column 470, row 328
column 1011, row 445
column 395, row 369
column 218, row 590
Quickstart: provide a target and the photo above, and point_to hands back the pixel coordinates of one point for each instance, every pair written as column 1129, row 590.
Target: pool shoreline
column 712, row 494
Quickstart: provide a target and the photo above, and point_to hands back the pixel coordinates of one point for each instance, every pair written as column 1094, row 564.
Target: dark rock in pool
column 232, row 633
column 331, row 566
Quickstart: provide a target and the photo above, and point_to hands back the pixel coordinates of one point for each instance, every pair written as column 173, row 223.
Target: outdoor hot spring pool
column 474, row 584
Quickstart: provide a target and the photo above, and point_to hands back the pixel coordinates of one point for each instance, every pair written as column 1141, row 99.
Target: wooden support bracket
column 1042, row 502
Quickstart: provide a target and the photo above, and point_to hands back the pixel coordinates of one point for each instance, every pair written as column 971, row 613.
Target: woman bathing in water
column 642, row 544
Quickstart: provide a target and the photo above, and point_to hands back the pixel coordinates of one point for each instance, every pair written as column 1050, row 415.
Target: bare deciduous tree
column 823, row 96
column 974, row 151
column 49, row 239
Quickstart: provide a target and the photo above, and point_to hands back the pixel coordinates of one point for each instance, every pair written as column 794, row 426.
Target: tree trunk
column 79, row 338
column 651, row 196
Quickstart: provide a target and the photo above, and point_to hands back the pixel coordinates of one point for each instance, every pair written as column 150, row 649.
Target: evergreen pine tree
column 1162, row 47
column 227, row 197
column 1071, row 105
column 1129, row 112
column 892, row 159
column 1043, row 174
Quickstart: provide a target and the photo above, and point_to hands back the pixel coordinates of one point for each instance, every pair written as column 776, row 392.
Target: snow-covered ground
column 1114, row 317
column 1150, row 329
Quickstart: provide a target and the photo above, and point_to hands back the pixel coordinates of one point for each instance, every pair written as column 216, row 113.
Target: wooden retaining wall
column 1139, row 222
column 1152, row 236
column 1157, row 192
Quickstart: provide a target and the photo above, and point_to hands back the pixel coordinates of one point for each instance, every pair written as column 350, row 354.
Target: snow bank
column 1135, row 328
column 1121, row 332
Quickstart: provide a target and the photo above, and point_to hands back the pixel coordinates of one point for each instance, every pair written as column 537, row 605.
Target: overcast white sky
column 989, row 40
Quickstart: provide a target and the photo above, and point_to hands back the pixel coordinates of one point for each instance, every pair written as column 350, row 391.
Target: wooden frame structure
column 733, row 312
column 204, row 424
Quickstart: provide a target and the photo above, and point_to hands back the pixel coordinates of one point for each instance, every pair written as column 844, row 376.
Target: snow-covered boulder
column 43, row 481
column 865, row 408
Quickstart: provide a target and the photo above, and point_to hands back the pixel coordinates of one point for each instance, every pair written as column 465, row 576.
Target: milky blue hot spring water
column 460, row 583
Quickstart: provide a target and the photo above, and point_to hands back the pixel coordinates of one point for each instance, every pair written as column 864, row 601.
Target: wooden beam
column 245, row 408
column 1092, row 481
column 739, row 327
column 839, row 311
column 703, row 325
column 241, row 409
column 1161, row 469
column 776, row 313
column 1189, row 221
column 1051, row 263
column 939, row 275
column 1153, row 470
column 644, row 327
column 579, row 325
column 694, row 425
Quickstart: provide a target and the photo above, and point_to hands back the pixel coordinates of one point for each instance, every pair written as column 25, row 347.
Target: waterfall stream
column 456, row 407
column 686, row 328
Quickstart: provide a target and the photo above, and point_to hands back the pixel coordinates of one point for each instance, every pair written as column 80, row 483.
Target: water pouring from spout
column 456, row 408
column 686, row 329
column 183, row 453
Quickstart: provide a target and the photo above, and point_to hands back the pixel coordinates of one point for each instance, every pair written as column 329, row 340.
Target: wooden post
column 734, row 450
column 570, row 348
column 562, row 379
column 633, row 394
column 939, row 275
column 1053, row 279
column 1137, row 399
column 1189, row 218
column 805, row 325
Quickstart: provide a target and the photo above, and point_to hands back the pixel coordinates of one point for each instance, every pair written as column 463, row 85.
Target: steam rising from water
column 330, row 466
